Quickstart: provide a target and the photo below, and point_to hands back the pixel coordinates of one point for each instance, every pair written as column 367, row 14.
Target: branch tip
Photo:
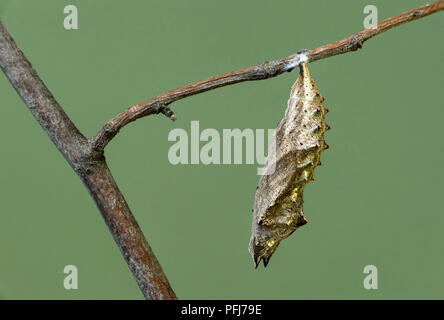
column 165, row 110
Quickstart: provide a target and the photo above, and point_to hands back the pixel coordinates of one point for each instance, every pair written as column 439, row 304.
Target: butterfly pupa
column 293, row 154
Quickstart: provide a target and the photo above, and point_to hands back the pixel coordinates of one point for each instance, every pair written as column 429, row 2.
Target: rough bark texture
column 86, row 155
column 127, row 233
column 89, row 165
column 355, row 41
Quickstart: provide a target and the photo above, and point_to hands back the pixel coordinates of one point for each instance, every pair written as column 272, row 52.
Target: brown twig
column 89, row 165
column 265, row 70
column 86, row 156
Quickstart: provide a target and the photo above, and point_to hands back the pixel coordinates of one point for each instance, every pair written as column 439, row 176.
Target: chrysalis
column 292, row 157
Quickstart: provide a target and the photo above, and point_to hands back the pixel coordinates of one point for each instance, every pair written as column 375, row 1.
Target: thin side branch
column 355, row 41
column 265, row 70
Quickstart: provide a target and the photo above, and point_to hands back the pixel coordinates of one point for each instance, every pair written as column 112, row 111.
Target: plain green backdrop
column 378, row 198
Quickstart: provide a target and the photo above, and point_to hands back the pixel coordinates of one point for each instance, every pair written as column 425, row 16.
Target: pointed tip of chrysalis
column 302, row 221
column 256, row 260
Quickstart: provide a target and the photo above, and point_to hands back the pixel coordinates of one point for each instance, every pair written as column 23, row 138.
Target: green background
column 377, row 199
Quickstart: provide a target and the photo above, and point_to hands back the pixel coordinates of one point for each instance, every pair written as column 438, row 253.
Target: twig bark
column 89, row 165
column 265, row 70
column 86, row 155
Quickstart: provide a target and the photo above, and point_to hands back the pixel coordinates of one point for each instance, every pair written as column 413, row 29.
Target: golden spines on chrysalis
column 308, row 109
column 300, row 141
column 313, row 116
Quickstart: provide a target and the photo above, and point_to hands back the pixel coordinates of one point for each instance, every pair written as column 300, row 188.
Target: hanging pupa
column 293, row 154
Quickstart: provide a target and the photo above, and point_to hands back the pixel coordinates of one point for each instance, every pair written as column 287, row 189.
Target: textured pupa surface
column 292, row 157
